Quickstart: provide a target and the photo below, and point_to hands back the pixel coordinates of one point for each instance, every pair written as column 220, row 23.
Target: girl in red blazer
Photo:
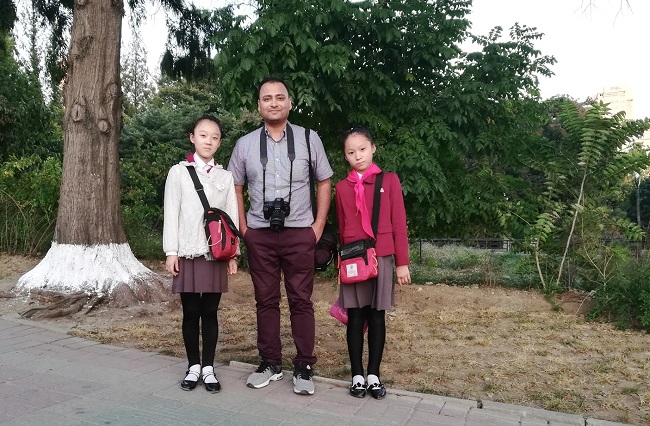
column 368, row 301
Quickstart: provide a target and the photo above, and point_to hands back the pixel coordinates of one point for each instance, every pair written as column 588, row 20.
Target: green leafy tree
column 643, row 196
column 442, row 118
column 7, row 20
column 28, row 124
column 137, row 83
column 30, row 144
column 582, row 171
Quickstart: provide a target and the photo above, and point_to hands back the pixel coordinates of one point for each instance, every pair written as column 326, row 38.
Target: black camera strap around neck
column 264, row 159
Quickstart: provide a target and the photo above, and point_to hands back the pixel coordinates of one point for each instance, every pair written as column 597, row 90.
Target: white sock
column 372, row 379
column 357, row 379
column 196, row 368
column 208, row 375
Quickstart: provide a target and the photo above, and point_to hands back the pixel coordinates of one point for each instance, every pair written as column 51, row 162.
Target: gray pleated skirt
column 378, row 292
column 199, row 275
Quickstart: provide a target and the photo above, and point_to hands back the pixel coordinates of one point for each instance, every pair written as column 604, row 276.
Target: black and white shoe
column 210, row 381
column 358, row 390
column 191, row 379
column 377, row 390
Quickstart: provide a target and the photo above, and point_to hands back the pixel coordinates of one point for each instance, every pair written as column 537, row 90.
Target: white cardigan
column 183, row 229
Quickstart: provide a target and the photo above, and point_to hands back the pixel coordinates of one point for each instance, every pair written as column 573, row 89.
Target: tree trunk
column 638, row 200
column 89, row 205
column 90, row 252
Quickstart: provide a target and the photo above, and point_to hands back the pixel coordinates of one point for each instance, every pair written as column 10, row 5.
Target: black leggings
column 201, row 306
column 376, row 338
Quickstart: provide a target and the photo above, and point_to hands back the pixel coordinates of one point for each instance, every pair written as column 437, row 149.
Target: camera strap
column 312, row 194
column 264, row 159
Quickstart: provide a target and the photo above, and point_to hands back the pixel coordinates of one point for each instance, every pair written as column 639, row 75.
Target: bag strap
column 375, row 203
column 229, row 223
column 312, row 194
column 198, row 187
column 206, row 205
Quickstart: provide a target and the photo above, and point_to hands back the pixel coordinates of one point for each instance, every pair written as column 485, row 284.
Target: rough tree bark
column 90, row 252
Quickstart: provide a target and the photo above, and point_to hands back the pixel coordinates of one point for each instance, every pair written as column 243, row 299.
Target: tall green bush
column 29, row 194
column 459, row 265
column 625, row 299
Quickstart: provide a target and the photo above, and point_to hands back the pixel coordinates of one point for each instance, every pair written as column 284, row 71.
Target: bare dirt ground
column 482, row 343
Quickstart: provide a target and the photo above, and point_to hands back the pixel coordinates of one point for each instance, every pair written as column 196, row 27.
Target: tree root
column 150, row 289
column 96, row 301
column 67, row 304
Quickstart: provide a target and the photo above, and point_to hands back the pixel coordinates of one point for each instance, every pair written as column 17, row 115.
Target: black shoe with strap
column 211, row 387
column 187, row 384
column 358, row 390
column 210, row 381
column 377, row 390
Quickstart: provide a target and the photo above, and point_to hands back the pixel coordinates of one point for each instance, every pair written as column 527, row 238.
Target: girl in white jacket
column 198, row 278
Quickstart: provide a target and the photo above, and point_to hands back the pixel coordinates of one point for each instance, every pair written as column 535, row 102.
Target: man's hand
column 318, row 230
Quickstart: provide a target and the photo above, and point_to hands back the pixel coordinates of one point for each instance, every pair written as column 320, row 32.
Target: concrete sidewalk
column 50, row 378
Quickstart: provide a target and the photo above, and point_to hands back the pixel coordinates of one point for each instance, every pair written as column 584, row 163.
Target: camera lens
column 277, row 220
column 276, row 211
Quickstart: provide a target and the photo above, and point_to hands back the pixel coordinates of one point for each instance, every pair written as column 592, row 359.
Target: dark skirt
column 199, row 275
column 378, row 292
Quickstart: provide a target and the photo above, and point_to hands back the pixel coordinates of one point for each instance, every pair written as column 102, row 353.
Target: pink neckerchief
column 360, row 200
column 190, row 159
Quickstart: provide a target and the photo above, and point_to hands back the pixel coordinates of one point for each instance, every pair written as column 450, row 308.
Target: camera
column 276, row 211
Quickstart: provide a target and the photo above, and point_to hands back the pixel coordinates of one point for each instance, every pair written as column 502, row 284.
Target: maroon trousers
column 289, row 252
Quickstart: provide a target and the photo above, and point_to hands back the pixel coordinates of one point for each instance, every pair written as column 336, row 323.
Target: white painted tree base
column 98, row 269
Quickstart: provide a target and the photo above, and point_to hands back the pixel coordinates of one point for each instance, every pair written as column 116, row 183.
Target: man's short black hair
column 272, row 79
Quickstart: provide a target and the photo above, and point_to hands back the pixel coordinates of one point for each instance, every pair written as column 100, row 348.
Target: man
column 280, row 230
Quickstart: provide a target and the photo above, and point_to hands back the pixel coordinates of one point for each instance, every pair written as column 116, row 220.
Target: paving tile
column 477, row 416
column 596, row 422
column 530, row 421
column 455, row 410
column 48, row 377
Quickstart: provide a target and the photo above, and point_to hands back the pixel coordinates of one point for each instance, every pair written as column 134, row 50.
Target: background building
column 620, row 98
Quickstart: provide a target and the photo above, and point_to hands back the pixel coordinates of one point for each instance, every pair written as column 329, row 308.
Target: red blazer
column 392, row 237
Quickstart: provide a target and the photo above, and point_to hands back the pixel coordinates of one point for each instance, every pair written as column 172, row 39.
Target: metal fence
column 506, row 245
column 493, row 244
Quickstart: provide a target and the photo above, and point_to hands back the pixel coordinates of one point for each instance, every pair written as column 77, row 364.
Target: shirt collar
column 199, row 162
column 282, row 136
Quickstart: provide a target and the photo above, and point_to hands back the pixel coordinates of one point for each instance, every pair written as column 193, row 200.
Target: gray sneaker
column 263, row 375
column 302, row 380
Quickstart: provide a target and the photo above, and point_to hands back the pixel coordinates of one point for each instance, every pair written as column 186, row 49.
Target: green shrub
column 29, row 193
column 625, row 299
column 459, row 265
column 145, row 243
